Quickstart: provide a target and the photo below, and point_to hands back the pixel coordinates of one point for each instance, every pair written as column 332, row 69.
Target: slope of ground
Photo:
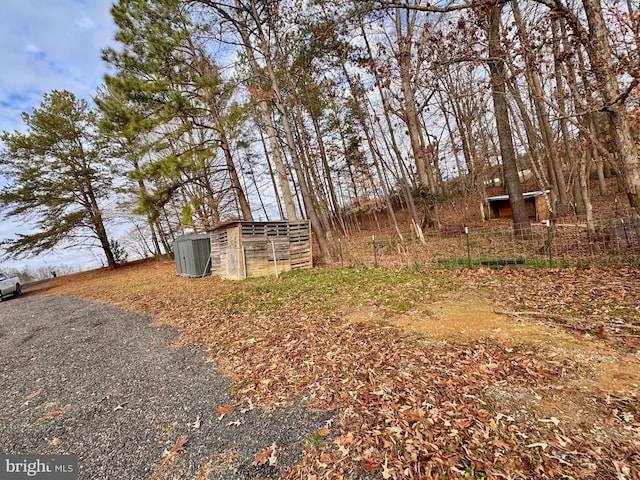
column 127, row 405
column 482, row 374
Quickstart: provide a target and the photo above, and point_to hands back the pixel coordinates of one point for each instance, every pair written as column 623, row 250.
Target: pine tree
column 57, row 172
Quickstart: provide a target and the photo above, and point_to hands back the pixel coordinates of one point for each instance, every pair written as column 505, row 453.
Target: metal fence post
column 466, row 232
column 375, row 251
column 275, row 260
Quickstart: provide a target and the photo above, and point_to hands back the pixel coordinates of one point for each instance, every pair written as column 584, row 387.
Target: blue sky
column 49, row 45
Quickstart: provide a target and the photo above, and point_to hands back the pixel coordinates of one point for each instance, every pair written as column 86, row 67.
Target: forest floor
column 434, row 374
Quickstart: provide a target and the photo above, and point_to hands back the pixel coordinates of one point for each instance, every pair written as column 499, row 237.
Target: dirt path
column 469, row 317
column 99, row 382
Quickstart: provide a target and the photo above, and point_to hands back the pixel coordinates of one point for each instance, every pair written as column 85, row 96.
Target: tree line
column 319, row 109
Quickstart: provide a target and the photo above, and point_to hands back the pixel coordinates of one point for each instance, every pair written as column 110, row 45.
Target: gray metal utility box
column 193, row 255
column 253, row 249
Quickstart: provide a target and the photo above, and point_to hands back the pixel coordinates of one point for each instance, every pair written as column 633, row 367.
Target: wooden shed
column 242, row 249
column 535, row 203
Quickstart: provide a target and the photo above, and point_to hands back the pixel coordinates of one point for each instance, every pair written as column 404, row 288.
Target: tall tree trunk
column 235, row 181
column 317, row 223
column 206, row 69
column 95, row 214
column 559, row 75
column 403, row 183
column 411, row 114
column 326, row 169
column 401, row 178
column 521, row 224
column 143, row 192
column 537, row 165
column 601, row 58
column 454, row 145
column 271, row 175
column 537, row 95
column 463, row 117
column 596, row 42
column 314, row 181
column 371, row 143
column 583, row 176
column 333, row 206
column 263, row 102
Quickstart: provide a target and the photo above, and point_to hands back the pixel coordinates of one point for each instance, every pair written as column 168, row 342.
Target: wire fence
column 495, row 245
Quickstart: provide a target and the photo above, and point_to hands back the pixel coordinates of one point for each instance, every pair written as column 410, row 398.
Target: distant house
column 242, row 249
column 535, row 203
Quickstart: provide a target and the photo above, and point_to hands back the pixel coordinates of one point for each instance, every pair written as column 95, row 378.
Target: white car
column 9, row 286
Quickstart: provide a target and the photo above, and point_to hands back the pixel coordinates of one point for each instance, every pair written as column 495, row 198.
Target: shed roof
column 537, row 193
column 265, row 222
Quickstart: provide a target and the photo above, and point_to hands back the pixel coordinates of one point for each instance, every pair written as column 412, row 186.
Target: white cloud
column 31, row 48
column 85, row 23
column 47, row 46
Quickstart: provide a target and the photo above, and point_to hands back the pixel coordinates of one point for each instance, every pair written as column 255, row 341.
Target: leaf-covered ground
column 497, row 403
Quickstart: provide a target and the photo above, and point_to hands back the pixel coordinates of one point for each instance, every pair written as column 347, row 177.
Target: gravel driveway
column 102, row 383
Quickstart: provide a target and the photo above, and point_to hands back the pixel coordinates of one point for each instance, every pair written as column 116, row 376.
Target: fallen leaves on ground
column 217, row 463
column 197, row 423
column 267, row 455
column 53, row 413
column 599, row 301
column 179, row 446
column 223, row 410
column 33, row 394
column 412, row 408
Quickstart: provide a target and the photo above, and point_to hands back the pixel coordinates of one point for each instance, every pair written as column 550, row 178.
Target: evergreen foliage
column 57, row 174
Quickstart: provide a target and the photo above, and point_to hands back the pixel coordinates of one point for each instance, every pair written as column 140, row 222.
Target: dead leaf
column 273, row 459
column 55, row 441
column 197, row 423
column 33, row 394
column 386, row 471
column 53, row 414
column 223, row 410
column 538, row 444
column 324, row 431
column 262, row 457
column 369, row 465
column 179, row 446
column 344, row 450
column 344, row 439
column 553, row 420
